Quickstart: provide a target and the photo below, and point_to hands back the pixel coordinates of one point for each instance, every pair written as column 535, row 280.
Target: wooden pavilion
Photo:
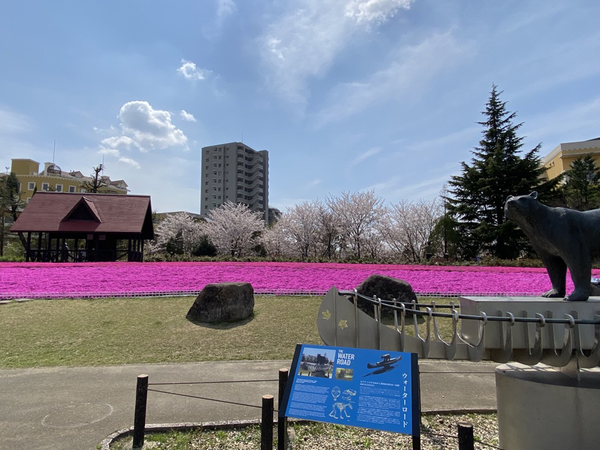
column 57, row 226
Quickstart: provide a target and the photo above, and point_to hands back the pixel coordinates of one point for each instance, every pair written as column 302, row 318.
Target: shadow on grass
column 223, row 325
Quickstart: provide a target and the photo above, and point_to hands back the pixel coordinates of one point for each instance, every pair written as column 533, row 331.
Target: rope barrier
column 209, row 382
column 208, row 399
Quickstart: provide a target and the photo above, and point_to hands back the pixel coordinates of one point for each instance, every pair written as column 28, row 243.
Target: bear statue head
column 521, row 207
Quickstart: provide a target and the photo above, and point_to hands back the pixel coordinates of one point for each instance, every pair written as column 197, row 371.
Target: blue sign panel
column 374, row 389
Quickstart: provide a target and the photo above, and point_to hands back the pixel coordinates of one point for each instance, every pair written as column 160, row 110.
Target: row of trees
column 352, row 226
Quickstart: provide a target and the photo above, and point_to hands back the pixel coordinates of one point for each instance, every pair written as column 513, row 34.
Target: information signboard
column 374, row 389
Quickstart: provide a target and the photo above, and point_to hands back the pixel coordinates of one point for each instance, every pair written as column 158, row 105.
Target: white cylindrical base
column 541, row 408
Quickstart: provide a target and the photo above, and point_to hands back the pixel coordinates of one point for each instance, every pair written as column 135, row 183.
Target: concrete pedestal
column 542, row 408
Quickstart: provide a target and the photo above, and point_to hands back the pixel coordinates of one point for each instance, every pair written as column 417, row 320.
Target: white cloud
column 107, row 150
column 306, row 40
column 143, row 128
column 578, row 122
column 411, row 68
column 15, row 131
column 190, row 72
column 149, row 128
column 225, row 8
column 13, row 123
column 303, row 44
column 118, row 142
column 375, row 10
column 365, row 155
column 188, row 117
column 130, row 161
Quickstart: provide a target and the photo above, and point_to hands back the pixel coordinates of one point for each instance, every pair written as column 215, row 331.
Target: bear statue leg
column 581, row 273
column 557, row 271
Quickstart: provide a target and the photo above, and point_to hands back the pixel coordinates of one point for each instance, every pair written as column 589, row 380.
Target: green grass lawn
column 109, row 331
column 148, row 330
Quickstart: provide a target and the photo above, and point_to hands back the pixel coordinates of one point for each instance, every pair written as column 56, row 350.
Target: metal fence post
column 282, row 436
column 465, row 436
column 139, row 420
column 266, row 426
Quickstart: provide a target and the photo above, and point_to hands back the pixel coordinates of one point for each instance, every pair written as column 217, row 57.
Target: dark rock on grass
column 223, row 302
column 385, row 288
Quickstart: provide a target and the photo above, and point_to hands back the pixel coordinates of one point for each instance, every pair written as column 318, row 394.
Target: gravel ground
column 437, row 432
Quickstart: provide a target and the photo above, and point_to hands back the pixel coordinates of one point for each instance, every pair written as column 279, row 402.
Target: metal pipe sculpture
column 524, row 337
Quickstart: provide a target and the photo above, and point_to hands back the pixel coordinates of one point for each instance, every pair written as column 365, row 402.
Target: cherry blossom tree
column 178, row 233
column 358, row 213
column 301, row 224
column 408, row 226
column 329, row 232
column 234, row 229
column 276, row 241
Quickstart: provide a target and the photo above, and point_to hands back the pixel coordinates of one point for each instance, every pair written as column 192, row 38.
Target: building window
column 72, row 189
column 45, row 186
column 31, row 185
column 59, row 188
column 82, row 190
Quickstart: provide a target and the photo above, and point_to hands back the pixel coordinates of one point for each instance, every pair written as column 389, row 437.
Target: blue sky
column 346, row 95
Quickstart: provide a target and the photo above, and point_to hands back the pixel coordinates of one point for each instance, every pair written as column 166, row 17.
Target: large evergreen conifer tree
column 476, row 197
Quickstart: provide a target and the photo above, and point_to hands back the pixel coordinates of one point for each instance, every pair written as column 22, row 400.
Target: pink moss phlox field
column 123, row 279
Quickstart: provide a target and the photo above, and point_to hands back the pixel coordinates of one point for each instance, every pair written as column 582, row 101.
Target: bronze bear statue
column 563, row 238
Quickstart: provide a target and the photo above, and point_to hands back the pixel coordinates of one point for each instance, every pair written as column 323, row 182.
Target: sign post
column 375, row 389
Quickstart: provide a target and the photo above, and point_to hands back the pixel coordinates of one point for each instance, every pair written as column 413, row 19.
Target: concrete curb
column 223, row 425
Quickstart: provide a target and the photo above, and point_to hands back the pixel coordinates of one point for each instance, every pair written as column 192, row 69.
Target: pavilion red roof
column 90, row 213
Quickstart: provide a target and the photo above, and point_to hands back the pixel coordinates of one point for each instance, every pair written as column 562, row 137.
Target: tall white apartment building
column 237, row 173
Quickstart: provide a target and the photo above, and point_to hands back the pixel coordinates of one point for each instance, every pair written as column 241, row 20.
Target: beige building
column 237, row 173
column 559, row 160
column 52, row 178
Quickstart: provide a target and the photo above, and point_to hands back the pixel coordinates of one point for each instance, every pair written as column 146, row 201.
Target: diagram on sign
column 386, row 364
column 339, row 409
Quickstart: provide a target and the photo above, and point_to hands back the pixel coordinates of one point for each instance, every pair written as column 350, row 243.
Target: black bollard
column 139, row 420
column 465, row 436
column 282, row 436
column 266, row 426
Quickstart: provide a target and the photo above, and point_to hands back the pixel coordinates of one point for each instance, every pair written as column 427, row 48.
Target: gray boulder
column 385, row 288
column 223, row 302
